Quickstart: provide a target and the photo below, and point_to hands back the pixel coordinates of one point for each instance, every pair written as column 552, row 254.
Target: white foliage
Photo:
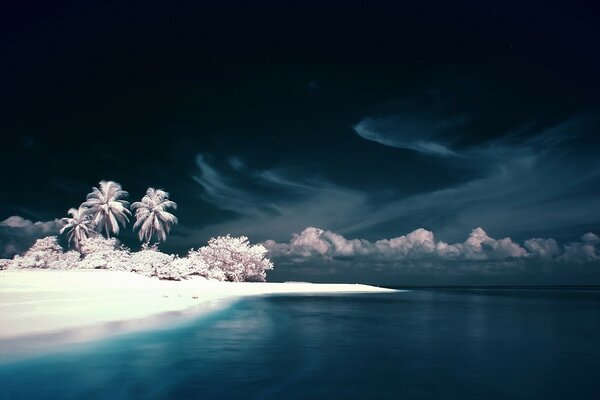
column 104, row 253
column 151, row 262
column 108, row 209
column 194, row 265
column 45, row 253
column 68, row 260
column 236, row 258
column 97, row 244
column 152, row 217
column 225, row 258
column 78, row 226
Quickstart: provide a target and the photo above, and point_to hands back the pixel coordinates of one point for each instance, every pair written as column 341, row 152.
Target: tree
column 107, row 207
column 236, row 258
column 152, row 217
column 78, row 227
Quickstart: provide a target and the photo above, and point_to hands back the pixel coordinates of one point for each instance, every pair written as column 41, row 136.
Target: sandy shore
column 80, row 305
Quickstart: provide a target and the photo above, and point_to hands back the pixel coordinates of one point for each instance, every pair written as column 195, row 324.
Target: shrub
column 102, row 253
column 68, row 260
column 236, row 258
column 44, row 253
column 151, row 262
column 225, row 258
column 4, row 263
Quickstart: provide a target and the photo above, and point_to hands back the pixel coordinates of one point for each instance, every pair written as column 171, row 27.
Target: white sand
column 80, row 305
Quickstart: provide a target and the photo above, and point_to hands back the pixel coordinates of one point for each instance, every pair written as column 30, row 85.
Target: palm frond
column 151, row 218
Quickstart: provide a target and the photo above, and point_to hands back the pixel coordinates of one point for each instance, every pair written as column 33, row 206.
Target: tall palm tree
column 78, row 227
column 152, row 217
column 107, row 207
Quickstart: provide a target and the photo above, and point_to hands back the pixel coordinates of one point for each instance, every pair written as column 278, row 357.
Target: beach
column 80, row 305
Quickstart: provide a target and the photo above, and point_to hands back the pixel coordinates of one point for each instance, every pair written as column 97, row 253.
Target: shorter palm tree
column 78, row 227
column 152, row 217
column 107, row 207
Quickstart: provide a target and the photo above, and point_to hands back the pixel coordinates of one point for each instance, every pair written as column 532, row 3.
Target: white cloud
column 543, row 248
column 420, row 135
column 270, row 203
column 588, row 250
column 313, row 243
column 19, row 222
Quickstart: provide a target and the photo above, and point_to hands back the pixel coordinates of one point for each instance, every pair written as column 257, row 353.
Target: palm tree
column 152, row 217
column 107, row 207
column 78, row 227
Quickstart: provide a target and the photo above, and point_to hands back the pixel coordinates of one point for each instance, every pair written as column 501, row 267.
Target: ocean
column 415, row 344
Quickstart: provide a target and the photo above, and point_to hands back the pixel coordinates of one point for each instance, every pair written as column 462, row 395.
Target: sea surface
column 416, row 344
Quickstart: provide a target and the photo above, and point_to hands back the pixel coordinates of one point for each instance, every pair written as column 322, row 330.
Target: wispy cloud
column 425, row 124
column 271, row 203
column 520, row 183
column 422, row 135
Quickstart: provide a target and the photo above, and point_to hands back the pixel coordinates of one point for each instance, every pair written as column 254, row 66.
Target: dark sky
column 367, row 119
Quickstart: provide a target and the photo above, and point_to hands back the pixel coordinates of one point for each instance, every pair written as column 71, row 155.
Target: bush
column 68, row 260
column 236, row 258
column 44, row 253
column 4, row 263
column 102, row 253
column 225, row 258
column 194, row 265
column 151, row 262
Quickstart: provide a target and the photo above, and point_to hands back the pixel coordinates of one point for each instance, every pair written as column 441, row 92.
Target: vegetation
column 152, row 217
column 78, row 226
column 107, row 207
column 105, row 211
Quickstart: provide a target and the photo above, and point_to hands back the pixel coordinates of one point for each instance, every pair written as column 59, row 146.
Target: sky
column 413, row 144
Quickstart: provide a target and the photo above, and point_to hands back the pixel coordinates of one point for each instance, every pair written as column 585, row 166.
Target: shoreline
column 43, row 309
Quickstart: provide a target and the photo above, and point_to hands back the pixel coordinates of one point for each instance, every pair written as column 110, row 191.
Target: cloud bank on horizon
column 318, row 244
column 418, row 258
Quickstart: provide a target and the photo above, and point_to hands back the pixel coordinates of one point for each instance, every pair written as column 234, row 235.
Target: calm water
column 438, row 344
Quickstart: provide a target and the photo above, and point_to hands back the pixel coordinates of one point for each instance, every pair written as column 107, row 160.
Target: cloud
column 269, row 203
column 588, row 250
column 543, row 248
column 531, row 181
column 427, row 123
column 422, row 135
column 420, row 245
column 518, row 182
column 29, row 227
column 17, row 234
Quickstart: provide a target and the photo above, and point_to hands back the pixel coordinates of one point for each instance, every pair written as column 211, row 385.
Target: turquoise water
column 432, row 344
